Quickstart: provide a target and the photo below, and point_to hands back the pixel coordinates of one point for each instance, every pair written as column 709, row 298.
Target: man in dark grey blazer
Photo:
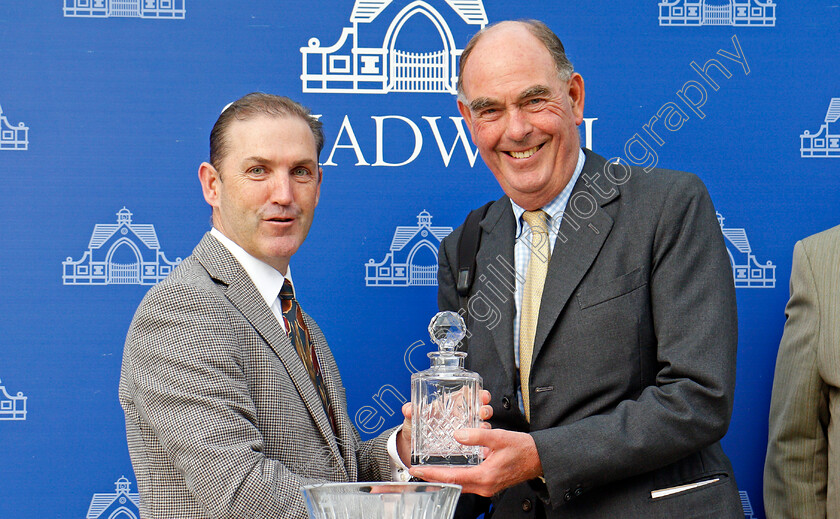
column 226, row 416
column 631, row 375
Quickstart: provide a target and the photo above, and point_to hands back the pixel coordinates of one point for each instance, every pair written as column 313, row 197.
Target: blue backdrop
column 107, row 107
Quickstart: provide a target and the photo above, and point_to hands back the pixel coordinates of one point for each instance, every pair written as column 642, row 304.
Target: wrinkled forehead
column 506, row 51
column 509, row 73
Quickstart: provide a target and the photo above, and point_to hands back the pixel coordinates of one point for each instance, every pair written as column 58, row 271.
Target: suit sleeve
column 694, row 326
column 796, row 468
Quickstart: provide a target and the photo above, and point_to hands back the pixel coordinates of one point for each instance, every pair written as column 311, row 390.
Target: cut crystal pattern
column 445, row 398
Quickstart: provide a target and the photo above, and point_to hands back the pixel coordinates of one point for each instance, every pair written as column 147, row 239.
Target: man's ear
column 467, row 115
column 210, row 180
column 577, row 95
column 318, row 189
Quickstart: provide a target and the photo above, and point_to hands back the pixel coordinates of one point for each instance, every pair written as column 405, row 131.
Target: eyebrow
column 256, row 159
column 481, row 103
column 535, row 91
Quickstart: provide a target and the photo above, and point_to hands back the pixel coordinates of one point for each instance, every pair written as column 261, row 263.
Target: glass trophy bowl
column 445, row 398
column 381, row 500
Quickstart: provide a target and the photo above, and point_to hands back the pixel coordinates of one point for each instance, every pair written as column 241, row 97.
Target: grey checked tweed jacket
column 221, row 417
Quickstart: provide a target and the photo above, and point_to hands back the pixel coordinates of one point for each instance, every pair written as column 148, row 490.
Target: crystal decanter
column 445, row 398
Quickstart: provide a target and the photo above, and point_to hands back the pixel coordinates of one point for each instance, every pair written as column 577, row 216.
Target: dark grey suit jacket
column 634, row 357
column 221, row 416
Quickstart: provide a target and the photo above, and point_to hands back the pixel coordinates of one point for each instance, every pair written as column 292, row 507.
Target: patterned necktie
column 299, row 335
column 531, row 297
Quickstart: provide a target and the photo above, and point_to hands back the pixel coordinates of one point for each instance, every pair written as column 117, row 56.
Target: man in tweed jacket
column 222, row 417
column 802, row 471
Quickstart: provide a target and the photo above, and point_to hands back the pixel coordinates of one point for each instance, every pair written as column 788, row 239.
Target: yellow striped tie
column 532, row 294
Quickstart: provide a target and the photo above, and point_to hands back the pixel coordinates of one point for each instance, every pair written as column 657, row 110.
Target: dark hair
column 257, row 103
column 541, row 32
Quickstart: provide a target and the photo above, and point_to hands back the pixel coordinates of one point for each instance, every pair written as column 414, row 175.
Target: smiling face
column 267, row 186
column 523, row 118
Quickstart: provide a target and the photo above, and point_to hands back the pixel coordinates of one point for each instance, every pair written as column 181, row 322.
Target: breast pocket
column 591, row 296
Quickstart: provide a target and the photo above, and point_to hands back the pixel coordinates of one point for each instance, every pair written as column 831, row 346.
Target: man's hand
column 404, row 436
column 510, row 458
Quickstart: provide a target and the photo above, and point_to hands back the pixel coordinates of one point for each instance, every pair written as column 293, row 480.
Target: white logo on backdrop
column 13, row 137
column 371, row 58
column 121, row 504
column 746, row 505
column 750, row 13
column 413, row 257
column 123, row 253
column 745, row 268
column 826, row 142
column 12, row 407
column 163, row 9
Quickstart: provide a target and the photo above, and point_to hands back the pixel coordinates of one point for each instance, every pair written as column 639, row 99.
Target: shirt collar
column 557, row 206
column 266, row 278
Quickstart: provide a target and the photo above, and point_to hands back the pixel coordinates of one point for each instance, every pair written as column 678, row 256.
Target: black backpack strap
column 468, row 244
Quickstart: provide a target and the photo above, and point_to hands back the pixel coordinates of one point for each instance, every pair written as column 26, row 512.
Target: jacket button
column 506, row 403
column 526, row 505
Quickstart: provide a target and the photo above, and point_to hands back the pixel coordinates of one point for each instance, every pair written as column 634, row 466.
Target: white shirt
column 269, row 281
column 266, row 278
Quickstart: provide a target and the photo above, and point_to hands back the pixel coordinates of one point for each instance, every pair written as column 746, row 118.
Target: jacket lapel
column 343, row 442
column 498, row 253
column 241, row 292
column 571, row 258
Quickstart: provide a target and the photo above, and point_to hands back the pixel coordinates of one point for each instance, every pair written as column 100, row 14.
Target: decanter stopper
column 446, row 330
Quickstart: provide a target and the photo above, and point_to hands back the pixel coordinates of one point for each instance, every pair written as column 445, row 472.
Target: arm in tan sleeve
column 795, row 472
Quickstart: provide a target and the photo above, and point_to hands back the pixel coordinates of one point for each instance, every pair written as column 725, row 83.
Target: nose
column 280, row 187
column 518, row 126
